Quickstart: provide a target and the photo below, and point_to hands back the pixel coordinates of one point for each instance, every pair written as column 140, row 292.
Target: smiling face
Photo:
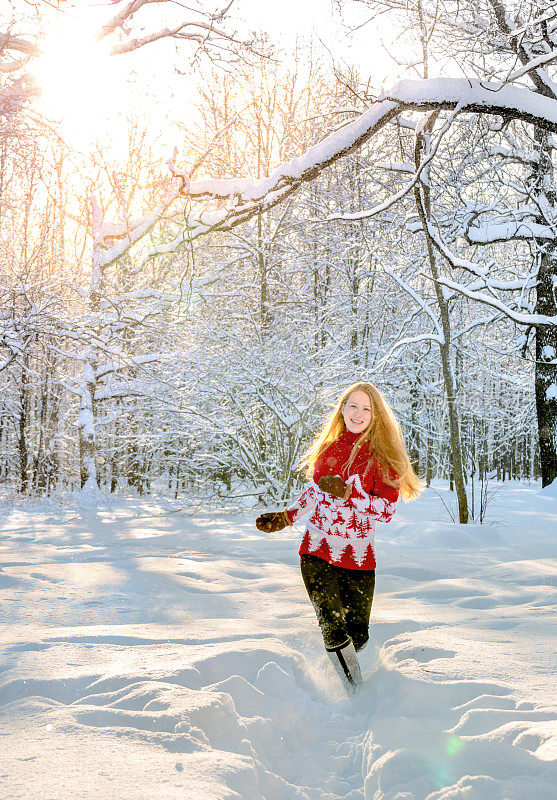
column 356, row 411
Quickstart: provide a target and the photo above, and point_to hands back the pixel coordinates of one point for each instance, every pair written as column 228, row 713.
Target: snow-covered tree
column 278, row 257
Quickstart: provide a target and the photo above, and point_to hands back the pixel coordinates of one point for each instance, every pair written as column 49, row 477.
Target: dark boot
column 345, row 662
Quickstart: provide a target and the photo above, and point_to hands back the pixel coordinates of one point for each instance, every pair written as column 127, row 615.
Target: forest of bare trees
column 181, row 328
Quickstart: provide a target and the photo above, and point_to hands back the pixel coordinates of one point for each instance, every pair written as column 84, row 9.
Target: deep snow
column 151, row 654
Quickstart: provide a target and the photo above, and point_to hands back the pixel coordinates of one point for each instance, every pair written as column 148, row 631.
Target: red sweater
column 343, row 532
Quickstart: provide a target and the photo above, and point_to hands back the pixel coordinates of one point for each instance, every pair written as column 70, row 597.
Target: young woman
column 358, row 467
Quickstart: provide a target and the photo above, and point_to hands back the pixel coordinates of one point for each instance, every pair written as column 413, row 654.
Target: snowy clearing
column 151, row 654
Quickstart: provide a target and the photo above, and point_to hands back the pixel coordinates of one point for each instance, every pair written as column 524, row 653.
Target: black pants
column 342, row 600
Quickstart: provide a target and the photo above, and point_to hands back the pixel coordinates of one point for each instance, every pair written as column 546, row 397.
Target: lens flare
column 454, row 745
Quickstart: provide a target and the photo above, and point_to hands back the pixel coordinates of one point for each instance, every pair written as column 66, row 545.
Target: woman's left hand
column 334, row 485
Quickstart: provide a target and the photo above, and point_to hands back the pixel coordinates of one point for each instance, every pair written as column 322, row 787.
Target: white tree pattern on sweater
column 342, row 532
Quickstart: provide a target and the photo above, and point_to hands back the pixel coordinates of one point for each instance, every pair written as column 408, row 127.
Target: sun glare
column 82, row 86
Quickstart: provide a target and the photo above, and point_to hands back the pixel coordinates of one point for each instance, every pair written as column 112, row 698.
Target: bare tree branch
column 202, row 28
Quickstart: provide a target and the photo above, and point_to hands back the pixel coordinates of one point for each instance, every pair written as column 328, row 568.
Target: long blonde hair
column 384, row 438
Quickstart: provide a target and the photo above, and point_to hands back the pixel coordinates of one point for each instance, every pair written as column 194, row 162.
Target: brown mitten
column 334, row 485
column 271, row 521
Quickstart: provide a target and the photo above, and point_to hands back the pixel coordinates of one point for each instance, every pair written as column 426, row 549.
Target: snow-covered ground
column 151, row 654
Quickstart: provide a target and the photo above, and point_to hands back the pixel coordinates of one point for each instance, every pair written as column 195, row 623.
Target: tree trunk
column 24, row 455
column 546, row 303
column 546, row 368
column 87, row 450
column 423, row 206
column 88, row 384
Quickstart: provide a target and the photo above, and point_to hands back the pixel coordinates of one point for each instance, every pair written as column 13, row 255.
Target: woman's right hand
column 271, row 521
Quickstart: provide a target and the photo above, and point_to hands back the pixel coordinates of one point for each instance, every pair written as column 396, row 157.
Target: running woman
column 358, row 468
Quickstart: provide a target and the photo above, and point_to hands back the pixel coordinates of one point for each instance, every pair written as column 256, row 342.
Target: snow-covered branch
column 419, row 300
column 201, row 27
column 130, row 363
column 494, row 302
column 522, row 156
column 473, row 267
column 508, row 231
column 541, row 60
column 245, row 197
column 106, row 251
column 427, row 95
